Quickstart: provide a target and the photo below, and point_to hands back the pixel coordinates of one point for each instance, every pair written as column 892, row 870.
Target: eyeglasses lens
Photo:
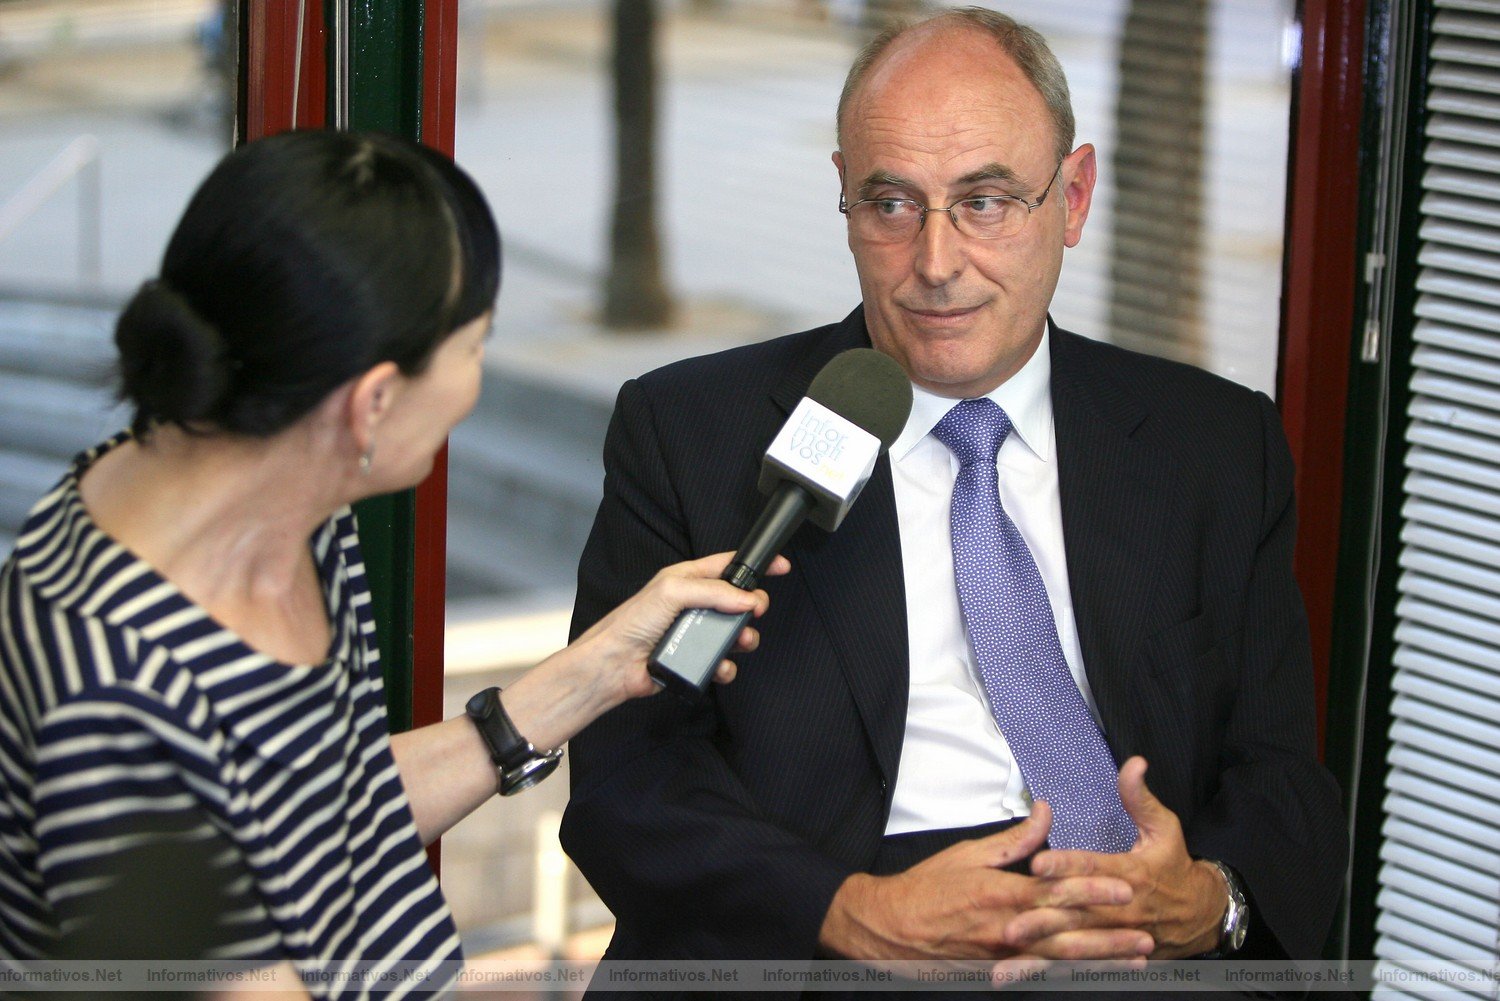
column 899, row 220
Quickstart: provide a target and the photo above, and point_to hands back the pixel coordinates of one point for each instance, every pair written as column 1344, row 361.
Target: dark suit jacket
column 722, row 831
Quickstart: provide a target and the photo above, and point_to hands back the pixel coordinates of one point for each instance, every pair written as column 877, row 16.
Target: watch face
column 529, row 774
column 1237, row 936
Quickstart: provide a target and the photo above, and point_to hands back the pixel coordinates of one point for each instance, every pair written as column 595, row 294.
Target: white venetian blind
column 1439, row 894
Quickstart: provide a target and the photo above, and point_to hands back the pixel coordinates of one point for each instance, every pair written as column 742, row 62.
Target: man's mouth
column 946, row 315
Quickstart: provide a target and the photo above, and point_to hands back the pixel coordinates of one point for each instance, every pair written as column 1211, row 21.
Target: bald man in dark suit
column 863, row 790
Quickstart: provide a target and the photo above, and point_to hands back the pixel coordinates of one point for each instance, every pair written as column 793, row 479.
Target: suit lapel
column 1112, row 486
column 854, row 578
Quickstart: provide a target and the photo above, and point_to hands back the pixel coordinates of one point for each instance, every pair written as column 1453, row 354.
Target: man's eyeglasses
column 984, row 217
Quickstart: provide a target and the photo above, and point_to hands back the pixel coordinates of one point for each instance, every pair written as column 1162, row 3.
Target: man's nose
column 940, row 249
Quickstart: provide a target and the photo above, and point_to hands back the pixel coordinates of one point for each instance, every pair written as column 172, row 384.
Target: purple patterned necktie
column 1041, row 712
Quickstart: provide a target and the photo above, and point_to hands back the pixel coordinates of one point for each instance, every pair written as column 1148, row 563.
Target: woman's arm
column 446, row 767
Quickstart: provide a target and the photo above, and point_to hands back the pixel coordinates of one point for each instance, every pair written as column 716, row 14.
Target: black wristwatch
column 1236, row 913
column 521, row 765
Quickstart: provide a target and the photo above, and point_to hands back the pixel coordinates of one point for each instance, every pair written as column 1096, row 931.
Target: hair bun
column 174, row 365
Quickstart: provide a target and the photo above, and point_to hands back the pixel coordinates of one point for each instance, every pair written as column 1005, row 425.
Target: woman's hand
column 446, row 767
column 607, row 665
column 624, row 639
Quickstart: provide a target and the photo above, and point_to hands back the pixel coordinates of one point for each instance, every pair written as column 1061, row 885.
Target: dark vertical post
column 635, row 293
column 385, row 93
column 439, row 96
column 1368, row 574
column 1320, row 286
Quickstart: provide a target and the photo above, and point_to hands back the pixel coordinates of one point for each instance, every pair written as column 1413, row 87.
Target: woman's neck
column 227, row 519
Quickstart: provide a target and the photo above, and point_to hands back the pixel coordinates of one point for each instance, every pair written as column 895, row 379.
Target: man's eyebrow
column 990, row 172
column 883, row 178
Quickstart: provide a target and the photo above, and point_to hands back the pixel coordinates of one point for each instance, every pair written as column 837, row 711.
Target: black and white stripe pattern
column 128, row 716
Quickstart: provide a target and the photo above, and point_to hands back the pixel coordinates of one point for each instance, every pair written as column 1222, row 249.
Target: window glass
column 110, row 115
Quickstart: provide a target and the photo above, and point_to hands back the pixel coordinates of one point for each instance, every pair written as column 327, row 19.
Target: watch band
column 521, row 765
column 1236, row 913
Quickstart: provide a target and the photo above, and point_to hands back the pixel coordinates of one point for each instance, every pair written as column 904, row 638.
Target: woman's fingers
column 695, row 584
column 685, row 585
column 713, row 566
column 685, row 592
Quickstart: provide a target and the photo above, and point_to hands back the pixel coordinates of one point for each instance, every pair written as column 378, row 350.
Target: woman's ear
column 370, row 399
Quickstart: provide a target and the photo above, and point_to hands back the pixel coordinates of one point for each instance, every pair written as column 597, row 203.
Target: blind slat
column 1446, row 605
column 1474, row 677
column 1431, row 358
column 1454, row 467
column 1470, row 776
column 1450, row 436
column 1458, row 286
column 1441, row 716
column 1422, row 813
column 1449, row 571
column 1452, row 519
column 1448, row 318
column 1446, row 644
column 1474, row 856
column 1403, row 893
column 1426, row 539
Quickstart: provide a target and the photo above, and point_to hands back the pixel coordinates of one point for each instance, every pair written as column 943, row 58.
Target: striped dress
column 129, row 718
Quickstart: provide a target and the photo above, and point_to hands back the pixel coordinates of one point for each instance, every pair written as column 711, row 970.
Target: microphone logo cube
column 825, row 452
column 815, row 439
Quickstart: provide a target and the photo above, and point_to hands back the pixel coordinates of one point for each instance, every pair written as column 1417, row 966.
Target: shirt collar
column 1026, row 398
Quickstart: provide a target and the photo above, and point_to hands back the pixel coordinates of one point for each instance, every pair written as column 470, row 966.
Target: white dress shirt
column 956, row 768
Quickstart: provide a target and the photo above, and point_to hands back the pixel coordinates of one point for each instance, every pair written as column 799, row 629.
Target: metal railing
column 80, row 158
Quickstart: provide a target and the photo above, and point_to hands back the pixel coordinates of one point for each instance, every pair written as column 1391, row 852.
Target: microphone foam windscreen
column 868, row 388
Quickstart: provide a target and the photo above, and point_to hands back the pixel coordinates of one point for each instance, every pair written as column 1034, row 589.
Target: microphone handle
column 686, row 657
column 782, row 516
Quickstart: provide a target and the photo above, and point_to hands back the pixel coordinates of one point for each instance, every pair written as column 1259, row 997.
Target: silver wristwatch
column 1236, row 913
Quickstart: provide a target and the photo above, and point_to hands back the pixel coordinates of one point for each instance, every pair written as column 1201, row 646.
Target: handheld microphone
column 814, row 470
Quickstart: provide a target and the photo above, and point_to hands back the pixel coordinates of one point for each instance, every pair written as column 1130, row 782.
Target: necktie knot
column 974, row 430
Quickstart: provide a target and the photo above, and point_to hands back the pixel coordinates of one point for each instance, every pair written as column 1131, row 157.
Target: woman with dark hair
column 186, row 645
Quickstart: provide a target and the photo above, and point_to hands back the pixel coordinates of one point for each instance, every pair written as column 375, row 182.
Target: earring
column 365, row 460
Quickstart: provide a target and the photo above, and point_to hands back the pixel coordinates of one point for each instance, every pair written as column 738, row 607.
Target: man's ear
column 371, row 397
column 838, row 161
column 1079, row 172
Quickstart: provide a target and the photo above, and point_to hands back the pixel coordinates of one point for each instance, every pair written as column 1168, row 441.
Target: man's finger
column 1095, row 943
column 1083, row 891
column 1041, row 922
column 1014, row 843
column 1144, row 808
column 1068, row 905
column 1059, row 863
